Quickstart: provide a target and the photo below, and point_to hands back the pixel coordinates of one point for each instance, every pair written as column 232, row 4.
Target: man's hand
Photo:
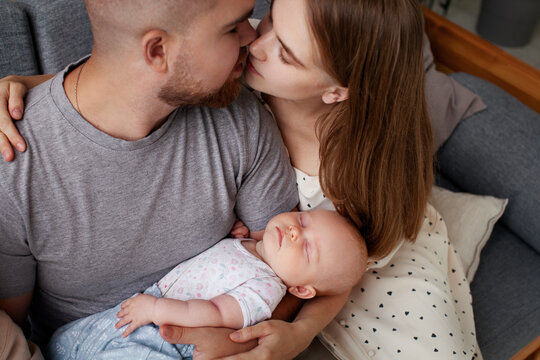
column 277, row 340
column 11, row 107
column 136, row 311
column 210, row 343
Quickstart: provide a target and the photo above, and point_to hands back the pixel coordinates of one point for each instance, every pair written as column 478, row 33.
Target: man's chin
column 222, row 97
column 225, row 96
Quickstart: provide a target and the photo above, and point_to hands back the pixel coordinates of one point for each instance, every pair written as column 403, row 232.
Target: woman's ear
column 154, row 45
column 303, row 292
column 335, row 94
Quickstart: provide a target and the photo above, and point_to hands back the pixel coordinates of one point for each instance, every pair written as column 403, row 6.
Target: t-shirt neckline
column 87, row 129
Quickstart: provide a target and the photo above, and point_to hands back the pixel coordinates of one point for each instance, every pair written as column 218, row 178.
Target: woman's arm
column 282, row 340
column 12, row 91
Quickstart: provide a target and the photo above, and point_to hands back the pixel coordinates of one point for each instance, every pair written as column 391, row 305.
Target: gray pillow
column 495, row 152
column 61, row 31
column 16, row 48
column 448, row 101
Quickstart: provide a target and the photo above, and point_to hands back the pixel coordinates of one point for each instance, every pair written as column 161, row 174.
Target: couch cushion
column 261, row 8
column 16, row 48
column 505, row 295
column 469, row 220
column 505, row 292
column 448, row 102
column 61, row 32
column 495, row 152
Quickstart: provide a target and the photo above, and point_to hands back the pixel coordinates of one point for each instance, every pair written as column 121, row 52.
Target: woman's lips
column 251, row 68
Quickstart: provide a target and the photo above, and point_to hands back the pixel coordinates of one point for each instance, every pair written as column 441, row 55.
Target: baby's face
column 302, row 247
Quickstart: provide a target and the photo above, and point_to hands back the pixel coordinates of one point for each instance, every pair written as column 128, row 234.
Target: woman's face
column 284, row 60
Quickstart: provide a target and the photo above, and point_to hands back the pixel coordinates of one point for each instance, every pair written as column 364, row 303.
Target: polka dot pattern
column 413, row 304
column 417, row 306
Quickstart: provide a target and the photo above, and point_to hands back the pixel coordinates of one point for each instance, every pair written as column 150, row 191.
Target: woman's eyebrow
column 287, row 49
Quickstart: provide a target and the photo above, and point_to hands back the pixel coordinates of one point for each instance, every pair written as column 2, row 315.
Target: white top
column 312, row 197
column 227, row 268
column 413, row 304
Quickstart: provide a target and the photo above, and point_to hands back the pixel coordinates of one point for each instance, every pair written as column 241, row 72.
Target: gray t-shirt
column 87, row 220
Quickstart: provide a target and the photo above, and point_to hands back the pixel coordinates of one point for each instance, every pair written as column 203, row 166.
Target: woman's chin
column 251, row 82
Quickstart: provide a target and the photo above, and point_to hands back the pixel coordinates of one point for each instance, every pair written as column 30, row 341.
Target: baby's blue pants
column 95, row 337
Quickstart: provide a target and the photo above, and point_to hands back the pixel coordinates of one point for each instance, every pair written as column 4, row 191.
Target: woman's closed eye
column 282, row 58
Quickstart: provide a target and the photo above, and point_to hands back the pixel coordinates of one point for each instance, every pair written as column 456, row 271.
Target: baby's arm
column 239, row 230
column 221, row 311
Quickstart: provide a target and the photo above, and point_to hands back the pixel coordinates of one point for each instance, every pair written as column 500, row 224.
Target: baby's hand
column 136, row 311
column 239, row 230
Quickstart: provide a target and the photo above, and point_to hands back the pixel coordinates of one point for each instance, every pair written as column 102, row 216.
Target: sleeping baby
column 234, row 284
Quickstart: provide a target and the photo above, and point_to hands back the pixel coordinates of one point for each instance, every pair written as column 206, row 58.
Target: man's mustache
column 242, row 56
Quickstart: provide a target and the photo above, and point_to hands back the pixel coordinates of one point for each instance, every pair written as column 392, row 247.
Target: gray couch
column 495, row 152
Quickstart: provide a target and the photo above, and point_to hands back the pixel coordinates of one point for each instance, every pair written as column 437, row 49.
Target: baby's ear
column 303, row 292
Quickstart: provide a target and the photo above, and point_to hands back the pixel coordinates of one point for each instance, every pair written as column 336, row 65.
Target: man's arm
column 17, row 307
column 258, row 235
column 221, row 311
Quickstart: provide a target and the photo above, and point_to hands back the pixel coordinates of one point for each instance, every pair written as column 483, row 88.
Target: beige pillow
column 469, row 219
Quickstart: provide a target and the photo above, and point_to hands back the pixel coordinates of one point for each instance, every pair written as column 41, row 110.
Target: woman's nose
column 258, row 47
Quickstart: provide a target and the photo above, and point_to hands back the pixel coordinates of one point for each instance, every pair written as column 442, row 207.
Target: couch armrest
column 457, row 49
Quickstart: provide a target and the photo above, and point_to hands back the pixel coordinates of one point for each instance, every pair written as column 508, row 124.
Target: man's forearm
column 17, row 307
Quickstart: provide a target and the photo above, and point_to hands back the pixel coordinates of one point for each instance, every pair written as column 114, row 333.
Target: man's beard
column 183, row 90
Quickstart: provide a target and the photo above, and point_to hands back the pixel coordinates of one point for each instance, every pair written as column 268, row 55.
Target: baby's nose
column 294, row 233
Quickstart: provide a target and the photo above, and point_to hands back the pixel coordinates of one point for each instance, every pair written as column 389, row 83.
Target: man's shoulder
column 249, row 110
column 247, row 100
column 37, row 97
column 245, row 117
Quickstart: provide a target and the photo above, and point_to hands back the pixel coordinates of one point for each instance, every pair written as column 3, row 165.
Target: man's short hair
column 114, row 22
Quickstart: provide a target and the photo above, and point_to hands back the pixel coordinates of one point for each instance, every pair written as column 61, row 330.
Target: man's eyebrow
column 241, row 19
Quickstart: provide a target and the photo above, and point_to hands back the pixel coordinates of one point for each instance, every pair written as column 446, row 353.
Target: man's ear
column 303, row 292
column 335, row 94
column 155, row 50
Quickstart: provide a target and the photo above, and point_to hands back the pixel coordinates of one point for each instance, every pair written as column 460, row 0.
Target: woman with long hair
column 344, row 80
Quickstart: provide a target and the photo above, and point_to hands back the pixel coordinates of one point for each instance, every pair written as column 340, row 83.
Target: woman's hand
column 12, row 92
column 277, row 339
column 210, row 343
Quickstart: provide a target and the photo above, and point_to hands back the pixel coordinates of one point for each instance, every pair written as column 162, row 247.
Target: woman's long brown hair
column 376, row 147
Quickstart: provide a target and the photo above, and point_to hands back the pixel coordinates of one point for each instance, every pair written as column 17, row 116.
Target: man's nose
column 246, row 32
